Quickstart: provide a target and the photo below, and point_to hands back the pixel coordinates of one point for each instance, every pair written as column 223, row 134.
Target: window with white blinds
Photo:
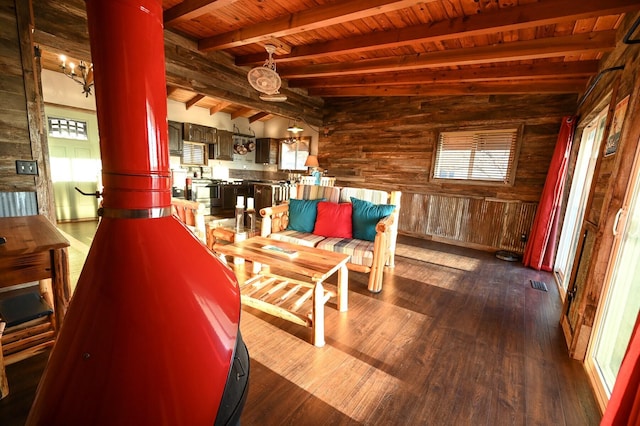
column 487, row 155
column 193, row 153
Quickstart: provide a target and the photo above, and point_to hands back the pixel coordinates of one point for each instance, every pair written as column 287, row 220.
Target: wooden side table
column 34, row 250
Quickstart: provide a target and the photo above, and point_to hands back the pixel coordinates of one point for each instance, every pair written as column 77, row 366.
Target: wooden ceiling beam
column 240, row 113
column 493, row 73
column 190, row 9
column 171, row 90
column 221, row 105
column 548, row 47
column 505, row 19
column 306, row 20
column 189, row 69
column 191, row 102
column 444, row 89
column 258, row 116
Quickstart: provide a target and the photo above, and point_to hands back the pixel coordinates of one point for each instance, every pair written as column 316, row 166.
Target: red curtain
column 541, row 248
column 624, row 405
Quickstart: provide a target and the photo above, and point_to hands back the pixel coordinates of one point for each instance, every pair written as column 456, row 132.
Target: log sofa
column 360, row 222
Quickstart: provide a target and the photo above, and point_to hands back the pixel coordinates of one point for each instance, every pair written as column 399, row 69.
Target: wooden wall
column 611, row 176
column 388, row 143
column 21, row 110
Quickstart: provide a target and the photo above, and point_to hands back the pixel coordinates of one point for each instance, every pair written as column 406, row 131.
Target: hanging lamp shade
column 295, row 128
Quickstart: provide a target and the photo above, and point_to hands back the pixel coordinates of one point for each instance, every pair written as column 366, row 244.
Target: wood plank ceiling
column 402, row 48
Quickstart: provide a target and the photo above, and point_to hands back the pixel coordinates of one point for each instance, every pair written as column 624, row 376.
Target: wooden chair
column 26, row 328
column 192, row 214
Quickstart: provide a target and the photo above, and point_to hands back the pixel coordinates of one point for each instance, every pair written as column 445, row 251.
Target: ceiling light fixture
column 295, row 128
column 85, row 79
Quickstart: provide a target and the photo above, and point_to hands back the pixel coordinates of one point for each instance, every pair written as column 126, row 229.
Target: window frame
column 71, row 125
column 191, row 152
column 298, row 161
column 510, row 181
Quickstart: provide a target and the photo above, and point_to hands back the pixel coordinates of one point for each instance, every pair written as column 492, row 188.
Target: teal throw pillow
column 302, row 215
column 366, row 215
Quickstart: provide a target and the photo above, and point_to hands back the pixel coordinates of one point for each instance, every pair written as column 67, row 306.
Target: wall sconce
column 85, row 78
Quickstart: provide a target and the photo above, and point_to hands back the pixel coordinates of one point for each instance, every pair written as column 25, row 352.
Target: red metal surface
column 150, row 332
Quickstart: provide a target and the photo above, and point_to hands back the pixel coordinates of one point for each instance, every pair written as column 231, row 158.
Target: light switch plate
column 27, row 167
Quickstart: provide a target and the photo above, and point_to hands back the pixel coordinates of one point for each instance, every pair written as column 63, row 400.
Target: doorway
column 619, row 309
column 74, row 152
column 578, row 197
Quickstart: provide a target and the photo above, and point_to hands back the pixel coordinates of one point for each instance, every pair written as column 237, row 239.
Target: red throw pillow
column 333, row 220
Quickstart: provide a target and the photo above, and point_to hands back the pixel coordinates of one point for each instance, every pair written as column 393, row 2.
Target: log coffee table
column 286, row 297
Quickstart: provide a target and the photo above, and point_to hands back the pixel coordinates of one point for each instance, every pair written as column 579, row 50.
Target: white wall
column 60, row 90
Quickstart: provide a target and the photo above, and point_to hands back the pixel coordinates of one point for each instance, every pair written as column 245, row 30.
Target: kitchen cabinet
column 198, row 133
column 224, row 147
column 263, row 194
column 267, row 150
column 230, row 194
column 175, row 138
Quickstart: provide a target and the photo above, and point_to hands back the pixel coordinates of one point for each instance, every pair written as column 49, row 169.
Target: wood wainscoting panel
column 469, row 221
column 517, row 223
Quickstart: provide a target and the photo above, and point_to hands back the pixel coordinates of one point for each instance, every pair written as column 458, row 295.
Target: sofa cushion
column 365, row 217
column 361, row 251
column 302, row 215
column 334, row 220
column 295, row 237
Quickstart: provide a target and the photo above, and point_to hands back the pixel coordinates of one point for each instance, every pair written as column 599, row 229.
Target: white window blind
column 476, row 155
column 193, row 153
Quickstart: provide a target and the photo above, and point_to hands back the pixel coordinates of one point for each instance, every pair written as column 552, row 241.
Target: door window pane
column 622, row 301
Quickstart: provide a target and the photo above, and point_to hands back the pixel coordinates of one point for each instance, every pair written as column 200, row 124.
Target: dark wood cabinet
column 230, row 194
column 267, row 150
column 228, row 197
column 199, row 133
column 263, row 194
column 175, row 138
column 224, row 148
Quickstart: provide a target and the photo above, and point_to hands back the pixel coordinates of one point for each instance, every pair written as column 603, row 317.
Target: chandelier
column 293, row 138
column 85, row 76
column 290, row 140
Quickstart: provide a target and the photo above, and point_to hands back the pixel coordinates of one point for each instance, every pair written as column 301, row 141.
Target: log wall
column 22, row 131
column 389, row 143
column 611, row 176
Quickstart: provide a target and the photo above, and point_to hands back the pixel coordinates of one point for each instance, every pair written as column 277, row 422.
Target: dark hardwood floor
column 460, row 339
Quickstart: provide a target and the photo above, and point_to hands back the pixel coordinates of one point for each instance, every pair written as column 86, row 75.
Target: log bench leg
column 343, row 289
column 318, row 315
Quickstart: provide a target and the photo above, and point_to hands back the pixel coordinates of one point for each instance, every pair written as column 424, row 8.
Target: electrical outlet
column 26, row 167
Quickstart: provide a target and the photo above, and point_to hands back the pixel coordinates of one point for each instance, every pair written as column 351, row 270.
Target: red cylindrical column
column 131, row 102
column 150, row 334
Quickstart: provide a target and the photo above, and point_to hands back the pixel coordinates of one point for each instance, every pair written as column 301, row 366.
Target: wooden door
column 75, row 162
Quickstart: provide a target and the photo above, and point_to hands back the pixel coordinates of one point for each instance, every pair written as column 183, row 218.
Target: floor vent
column 538, row 285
